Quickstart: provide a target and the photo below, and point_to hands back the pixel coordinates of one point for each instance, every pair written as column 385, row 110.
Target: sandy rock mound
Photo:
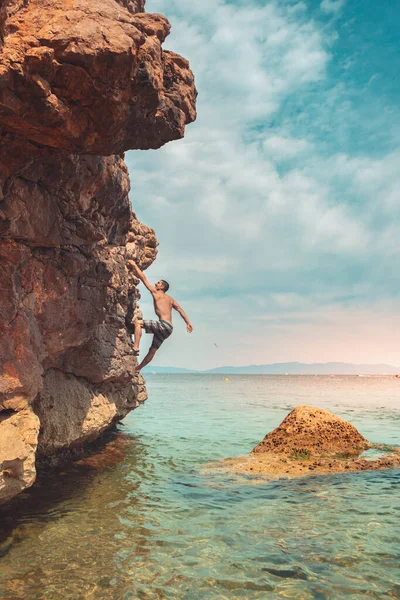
column 314, row 431
column 310, row 441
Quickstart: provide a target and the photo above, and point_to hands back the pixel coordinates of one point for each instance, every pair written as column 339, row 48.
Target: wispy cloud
column 332, row 6
column 281, row 148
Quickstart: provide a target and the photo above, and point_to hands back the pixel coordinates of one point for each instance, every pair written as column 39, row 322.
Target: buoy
column 226, row 379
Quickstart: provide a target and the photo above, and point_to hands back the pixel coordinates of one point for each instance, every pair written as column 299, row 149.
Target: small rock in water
column 313, row 441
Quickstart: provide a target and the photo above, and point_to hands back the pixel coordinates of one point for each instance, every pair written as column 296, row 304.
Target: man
column 163, row 305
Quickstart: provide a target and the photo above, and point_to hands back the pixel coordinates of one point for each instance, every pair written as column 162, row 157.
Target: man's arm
column 184, row 316
column 132, row 266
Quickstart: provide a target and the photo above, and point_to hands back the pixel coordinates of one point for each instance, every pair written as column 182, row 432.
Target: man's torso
column 163, row 306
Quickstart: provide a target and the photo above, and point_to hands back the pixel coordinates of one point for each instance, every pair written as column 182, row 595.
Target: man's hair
column 165, row 285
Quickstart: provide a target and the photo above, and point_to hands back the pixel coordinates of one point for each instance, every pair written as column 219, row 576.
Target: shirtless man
column 163, row 305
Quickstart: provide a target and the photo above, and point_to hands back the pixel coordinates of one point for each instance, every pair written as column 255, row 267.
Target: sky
column 278, row 214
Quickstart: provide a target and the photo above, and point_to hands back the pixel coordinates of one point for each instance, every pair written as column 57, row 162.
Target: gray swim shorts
column 161, row 330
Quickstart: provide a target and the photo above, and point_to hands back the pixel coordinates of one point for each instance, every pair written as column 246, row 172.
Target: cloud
column 262, row 223
column 281, row 148
column 246, row 57
column 332, row 6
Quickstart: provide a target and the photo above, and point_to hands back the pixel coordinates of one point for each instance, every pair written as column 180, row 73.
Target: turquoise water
column 141, row 520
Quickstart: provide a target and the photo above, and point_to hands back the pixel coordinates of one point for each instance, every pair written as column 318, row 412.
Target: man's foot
column 135, row 352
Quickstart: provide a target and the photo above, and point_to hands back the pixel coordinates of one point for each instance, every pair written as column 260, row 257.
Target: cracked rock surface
column 90, row 76
column 81, row 81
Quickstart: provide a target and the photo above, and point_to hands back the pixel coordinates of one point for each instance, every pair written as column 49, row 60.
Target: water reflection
column 63, row 537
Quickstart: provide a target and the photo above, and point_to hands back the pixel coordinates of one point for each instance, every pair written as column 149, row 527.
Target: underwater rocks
column 312, row 441
column 80, row 82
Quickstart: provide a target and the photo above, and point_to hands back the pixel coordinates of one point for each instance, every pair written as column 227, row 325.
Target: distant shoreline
column 286, row 369
column 299, row 375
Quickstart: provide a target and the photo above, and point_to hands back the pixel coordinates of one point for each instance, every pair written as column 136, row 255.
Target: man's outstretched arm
column 132, row 266
column 184, row 316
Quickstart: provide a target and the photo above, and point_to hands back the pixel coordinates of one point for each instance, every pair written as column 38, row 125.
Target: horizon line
column 275, row 364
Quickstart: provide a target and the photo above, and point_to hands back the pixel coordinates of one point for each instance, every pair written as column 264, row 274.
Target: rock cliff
column 81, row 81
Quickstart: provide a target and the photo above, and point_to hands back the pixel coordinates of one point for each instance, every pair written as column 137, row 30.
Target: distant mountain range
column 290, row 368
column 167, row 370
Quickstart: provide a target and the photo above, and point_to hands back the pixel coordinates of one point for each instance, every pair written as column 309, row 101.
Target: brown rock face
column 89, row 76
column 315, row 431
column 80, row 82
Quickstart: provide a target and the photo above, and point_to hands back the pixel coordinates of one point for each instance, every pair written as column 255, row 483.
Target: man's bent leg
column 148, row 358
column 137, row 334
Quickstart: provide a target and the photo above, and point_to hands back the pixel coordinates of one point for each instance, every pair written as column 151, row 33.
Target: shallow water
column 140, row 520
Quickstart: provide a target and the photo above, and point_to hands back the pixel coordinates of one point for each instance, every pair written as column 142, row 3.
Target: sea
column 144, row 518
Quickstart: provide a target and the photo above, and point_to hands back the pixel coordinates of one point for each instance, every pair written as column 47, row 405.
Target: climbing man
column 163, row 305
